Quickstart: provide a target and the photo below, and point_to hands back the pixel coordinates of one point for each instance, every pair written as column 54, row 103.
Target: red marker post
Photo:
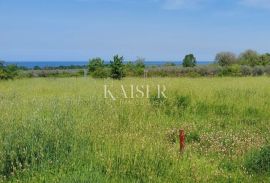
column 182, row 140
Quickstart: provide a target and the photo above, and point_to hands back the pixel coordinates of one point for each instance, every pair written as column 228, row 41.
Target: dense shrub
column 265, row 59
column 246, row 70
column 225, row 58
column 258, row 161
column 96, row 68
column 258, row 71
column 250, row 57
column 135, row 68
column 189, row 61
column 94, row 64
column 101, row 73
column 117, row 67
column 3, row 74
column 267, row 70
column 7, row 71
column 232, row 70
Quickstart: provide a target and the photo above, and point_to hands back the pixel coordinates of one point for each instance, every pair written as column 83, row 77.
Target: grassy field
column 64, row 130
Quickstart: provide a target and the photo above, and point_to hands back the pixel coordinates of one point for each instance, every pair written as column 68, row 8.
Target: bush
column 189, row 61
column 258, row 161
column 101, row 73
column 267, row 70
column 94, row 64
column 209, row 70
column 117, row 67
column 258, row 71
column 135, row 68
column 246, row 70
column 225, row 58
column 265, row 59
column 3, row 74
column 7, row 71
column 250, row 57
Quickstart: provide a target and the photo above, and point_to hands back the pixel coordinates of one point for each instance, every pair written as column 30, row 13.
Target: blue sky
column 68, row 30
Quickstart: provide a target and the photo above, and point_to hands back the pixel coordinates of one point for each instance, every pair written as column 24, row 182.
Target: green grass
column 63, row 130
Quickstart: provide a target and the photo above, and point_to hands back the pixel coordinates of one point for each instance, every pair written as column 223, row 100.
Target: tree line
column 249, row 58
column 248, row 63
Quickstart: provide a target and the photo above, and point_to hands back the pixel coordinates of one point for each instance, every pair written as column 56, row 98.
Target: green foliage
column 7, row 71
column 189, row 61
column 117, row 67
column 95, row 64
column 267, row 70
column 158, row 101
column 135, row 68
column 258, row 71
column 232, row 70
column 12, row 70
column 250, row 57
column 96, row 68
column 101, row 73
column 265, row 59
column 193, row 136
column 246, row 70
column 258, row 161
column 182, row 102
column 3, row 74
column 225, row 58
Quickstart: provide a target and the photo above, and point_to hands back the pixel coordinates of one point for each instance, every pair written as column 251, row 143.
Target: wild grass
column 63, row 130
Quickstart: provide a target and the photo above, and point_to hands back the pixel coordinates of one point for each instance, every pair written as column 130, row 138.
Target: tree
column 225, row 58
column 189, row 61
column 265, row 59
column 117, row 67
column 95, row 64
column 250, row 57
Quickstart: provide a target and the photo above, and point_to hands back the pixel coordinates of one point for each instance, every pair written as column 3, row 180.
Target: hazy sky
column 33, row 30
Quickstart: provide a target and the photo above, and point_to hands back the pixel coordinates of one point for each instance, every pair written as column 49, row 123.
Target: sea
column 43, row 64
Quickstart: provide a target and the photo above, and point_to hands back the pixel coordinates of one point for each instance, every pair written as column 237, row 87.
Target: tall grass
column 63, row 130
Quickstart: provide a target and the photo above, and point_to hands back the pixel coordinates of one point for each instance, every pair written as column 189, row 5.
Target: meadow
column 64, row 130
